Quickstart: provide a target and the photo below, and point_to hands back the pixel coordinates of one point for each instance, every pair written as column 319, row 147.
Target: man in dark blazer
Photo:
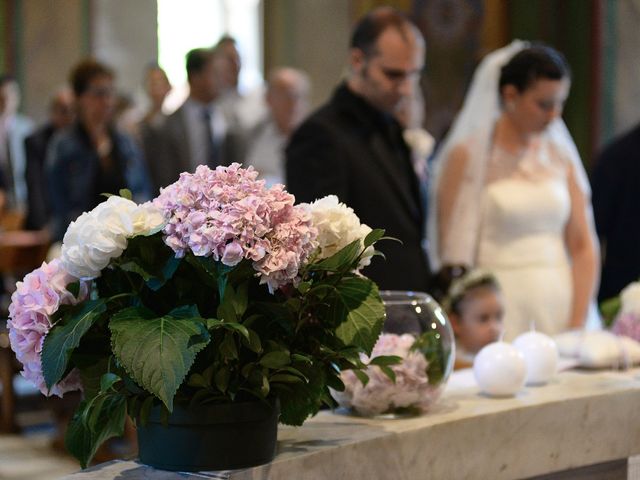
column 615, row 183
column 353, row 147
column 199, row 132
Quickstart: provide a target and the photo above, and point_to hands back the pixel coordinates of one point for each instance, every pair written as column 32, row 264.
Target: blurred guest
column 157, row 87
column 126, row 116
column 14, row 128
column 227, row 49
column 353, row 146
column 61, row 115
column 475, row 307
column 247, row 107
column 3, row 196
column 92, row 157
column 616, row 206
column 199, row 132
column 287, row 98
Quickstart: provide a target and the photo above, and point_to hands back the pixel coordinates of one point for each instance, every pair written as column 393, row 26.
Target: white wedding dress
column 523, row 213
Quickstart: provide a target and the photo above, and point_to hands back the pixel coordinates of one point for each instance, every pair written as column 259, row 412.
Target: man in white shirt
column 287, row 98
column 14, row 128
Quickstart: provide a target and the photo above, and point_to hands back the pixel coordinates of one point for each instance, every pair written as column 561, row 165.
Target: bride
column 511, row 195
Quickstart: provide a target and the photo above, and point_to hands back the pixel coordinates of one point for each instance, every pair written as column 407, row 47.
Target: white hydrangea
column 101, row 234
column 630, row 297
column 338, row 226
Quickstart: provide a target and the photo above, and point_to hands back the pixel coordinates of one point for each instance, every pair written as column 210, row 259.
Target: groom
column 353, row 147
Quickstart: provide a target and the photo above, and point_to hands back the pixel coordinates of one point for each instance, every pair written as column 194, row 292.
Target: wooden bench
column 8, row 368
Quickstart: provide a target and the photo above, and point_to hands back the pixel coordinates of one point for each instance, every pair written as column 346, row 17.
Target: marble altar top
column 579, row 418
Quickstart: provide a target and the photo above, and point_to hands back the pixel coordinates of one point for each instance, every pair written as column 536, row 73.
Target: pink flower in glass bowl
column 627, row 324
column 381, row 395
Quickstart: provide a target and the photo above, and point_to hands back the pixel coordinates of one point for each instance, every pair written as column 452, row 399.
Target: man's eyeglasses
column 397, row 75
column 101, row 92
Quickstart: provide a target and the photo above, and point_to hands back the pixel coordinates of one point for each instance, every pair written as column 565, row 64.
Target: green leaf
column 222, row 379
column 304, row 287
column 157, row 352
column 275, row 359
column 363, row 377
column 133, row 267
column 296, row 357
column 168, row 270
column 214, row 323
column 91, row 376
column 265, row 389
column 185, row 312
column 238, row 327
column 240, row 300
column 253, row 342
column 197, row 380
column 609, row 309
column 217, row 270
column 108, row 380
column 226, row 310
column 357, row 303
column 228, row 347
column 63, row 339
column 125, row 193
column 285, row 378
column 335, row 382
column 74, row 288
column 94, row 422
column 388, row 372
column 373, row 236
column 295, row 371
column 340, row 260
column 385, row 360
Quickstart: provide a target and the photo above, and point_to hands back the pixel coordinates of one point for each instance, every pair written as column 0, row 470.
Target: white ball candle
column 540, row 354
column 500, row 369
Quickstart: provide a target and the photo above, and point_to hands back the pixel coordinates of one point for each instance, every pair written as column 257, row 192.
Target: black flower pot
column 210, row 437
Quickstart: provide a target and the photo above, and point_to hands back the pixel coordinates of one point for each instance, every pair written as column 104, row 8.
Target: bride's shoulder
column 558, row 153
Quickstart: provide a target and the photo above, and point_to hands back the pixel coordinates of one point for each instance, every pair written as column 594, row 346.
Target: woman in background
column 511, row 195
column 92, row 157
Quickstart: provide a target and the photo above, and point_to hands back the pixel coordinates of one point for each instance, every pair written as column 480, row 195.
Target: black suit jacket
column 350, row 149
column 38, row 203
column 615, row 183
column 172, row 155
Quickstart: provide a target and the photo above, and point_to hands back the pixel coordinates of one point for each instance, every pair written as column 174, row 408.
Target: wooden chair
column 8, row 369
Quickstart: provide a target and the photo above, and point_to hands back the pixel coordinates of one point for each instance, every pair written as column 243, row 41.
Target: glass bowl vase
column 417, row 330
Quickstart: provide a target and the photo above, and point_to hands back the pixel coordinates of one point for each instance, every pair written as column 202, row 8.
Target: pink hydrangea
column 33, row 303
column 229, row 215
column 627, row 324
column 381, row 394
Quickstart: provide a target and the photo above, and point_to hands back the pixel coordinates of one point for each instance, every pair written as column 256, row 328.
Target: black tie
column 212, row 157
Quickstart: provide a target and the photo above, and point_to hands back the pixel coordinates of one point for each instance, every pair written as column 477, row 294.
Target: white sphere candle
column 500, row 369
column 540, row 354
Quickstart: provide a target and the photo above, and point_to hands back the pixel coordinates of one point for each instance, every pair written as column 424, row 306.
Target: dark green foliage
column 163, row 330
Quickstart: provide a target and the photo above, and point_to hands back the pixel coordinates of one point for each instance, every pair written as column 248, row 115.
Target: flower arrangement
column 625, row 312
column 388, row 386
column 220, row 290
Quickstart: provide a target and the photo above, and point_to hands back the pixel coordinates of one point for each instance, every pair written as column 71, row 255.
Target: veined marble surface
column 579, row 418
